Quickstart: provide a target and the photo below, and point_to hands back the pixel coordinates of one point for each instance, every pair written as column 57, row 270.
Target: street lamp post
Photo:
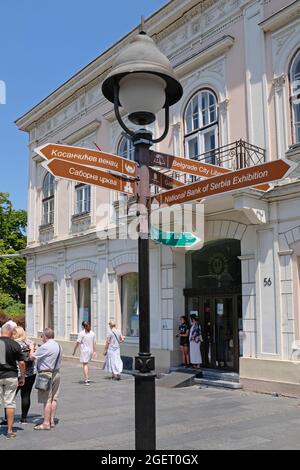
column 143, row 82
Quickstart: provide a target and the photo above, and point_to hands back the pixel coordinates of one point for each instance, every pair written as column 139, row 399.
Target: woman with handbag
column 113, row 362
column 195, row 340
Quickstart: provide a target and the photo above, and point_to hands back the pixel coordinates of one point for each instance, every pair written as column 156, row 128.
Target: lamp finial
column 142, row 26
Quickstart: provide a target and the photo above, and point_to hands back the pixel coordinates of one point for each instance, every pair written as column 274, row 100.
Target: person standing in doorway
column 86, row 340
column 113, row 362
column 195, row 339
column 10, row 355
column 184, row 331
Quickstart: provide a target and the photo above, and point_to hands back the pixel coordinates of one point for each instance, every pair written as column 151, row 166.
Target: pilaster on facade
column 249, row 339
column 68, row 305
column 167, row 306
column 37, row 303
column 287, row 305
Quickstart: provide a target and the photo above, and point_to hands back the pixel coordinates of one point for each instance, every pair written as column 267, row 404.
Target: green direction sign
column 184, row 239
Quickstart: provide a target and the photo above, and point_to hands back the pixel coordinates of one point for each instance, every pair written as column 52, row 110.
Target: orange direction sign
column 88, row 157
column 247, row 177
column 164, row 181
column 92, row 176
column 193, row 167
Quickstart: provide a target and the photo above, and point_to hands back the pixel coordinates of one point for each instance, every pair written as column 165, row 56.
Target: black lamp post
column 143, row 82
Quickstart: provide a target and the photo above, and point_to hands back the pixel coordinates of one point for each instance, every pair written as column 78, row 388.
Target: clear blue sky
column 42, row 44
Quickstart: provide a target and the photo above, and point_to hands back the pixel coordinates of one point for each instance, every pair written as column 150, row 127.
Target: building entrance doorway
column 220, row 318
column 214, row 296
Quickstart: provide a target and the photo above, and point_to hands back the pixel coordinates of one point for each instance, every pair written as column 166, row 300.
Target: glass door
column 225, row 339
column 206, row 319
column 220, row 321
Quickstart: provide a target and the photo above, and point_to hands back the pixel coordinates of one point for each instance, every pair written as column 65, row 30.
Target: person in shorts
column 10, row 355
column 48, row 357
column 184, row 331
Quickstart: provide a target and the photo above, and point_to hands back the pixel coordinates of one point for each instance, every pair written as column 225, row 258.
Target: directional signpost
column 88, row 157
column 119, row 174
column 184, row 239
column 264, row 173
column 84, row 174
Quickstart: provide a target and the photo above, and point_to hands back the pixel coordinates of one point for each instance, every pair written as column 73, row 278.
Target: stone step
column 218, row 383
column 218, row 375
column 176, row 380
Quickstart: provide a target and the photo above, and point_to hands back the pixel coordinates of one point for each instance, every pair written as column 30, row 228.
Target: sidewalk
column 102, row 417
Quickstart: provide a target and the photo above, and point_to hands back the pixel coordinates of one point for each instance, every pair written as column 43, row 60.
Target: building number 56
column 267, row 282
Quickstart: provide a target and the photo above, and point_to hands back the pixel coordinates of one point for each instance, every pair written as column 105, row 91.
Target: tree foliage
column 12, row 240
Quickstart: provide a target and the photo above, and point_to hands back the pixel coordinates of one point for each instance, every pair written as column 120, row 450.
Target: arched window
column 201, row 126
column 126, row 148
column 48, row 200
column 295, row 96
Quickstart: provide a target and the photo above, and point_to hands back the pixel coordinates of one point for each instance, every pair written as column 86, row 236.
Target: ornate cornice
column 281, row 17
column 185, row 18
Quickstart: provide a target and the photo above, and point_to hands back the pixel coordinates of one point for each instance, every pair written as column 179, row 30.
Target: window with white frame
column 295, row 96
column 126, row 148
column 48, row 200
column 201, row 126
column 82, row 199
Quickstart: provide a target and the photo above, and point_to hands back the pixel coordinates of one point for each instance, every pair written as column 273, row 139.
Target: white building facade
column 239, row 64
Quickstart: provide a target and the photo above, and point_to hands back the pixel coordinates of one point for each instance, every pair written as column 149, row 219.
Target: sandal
column 52, row 425
column 11, row 435
column 41, row 427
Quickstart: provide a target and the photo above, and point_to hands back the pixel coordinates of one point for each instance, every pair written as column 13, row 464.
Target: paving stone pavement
column 102, row 417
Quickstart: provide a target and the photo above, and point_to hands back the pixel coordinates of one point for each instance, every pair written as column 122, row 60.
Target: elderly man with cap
column 10, row 355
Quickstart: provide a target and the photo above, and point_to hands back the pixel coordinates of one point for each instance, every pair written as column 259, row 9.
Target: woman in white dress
column 113, row 362
column 86, row 340
column 195, row 340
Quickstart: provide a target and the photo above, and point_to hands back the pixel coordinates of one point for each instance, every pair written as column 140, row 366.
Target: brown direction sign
column 92, row 176
column 193, row 167
column 88, row 157
column 244, row 178
column 164, row 181
column 185, row 165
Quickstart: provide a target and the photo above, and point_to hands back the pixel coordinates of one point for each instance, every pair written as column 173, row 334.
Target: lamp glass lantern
column 142, row 81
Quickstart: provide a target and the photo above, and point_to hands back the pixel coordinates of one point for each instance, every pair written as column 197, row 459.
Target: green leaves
column 12, row 240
